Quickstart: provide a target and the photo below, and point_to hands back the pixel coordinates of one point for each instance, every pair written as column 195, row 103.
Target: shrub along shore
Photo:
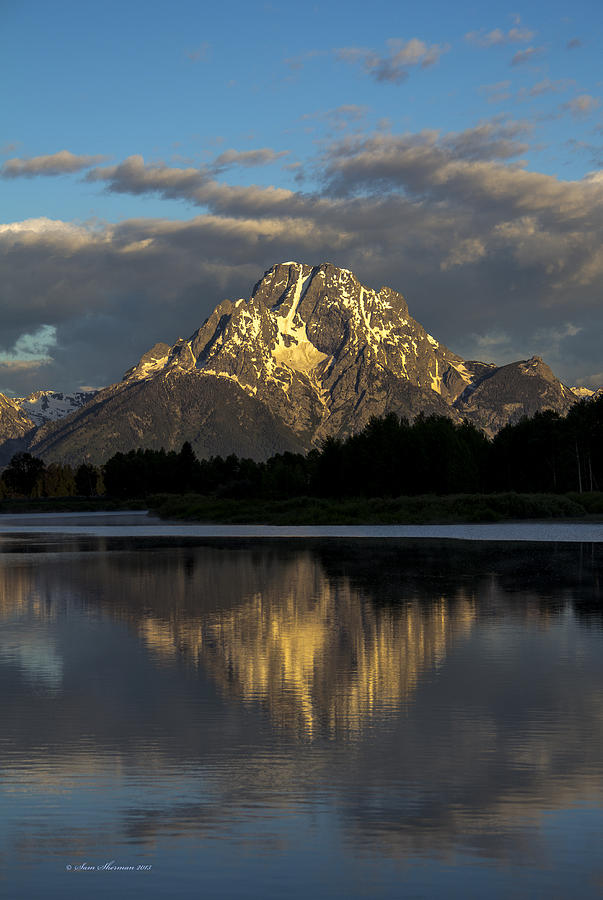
column 421, row 510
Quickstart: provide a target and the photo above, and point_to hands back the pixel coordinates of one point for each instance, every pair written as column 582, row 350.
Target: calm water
column 300, row 718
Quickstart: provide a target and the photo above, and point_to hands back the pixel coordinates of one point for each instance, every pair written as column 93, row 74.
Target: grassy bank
column 428, row 509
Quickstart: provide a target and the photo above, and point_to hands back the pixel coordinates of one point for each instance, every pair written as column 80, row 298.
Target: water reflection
column 326, row 661
column 410, row 702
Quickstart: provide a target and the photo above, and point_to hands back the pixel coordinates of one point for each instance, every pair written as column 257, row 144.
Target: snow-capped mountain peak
column 312, row 353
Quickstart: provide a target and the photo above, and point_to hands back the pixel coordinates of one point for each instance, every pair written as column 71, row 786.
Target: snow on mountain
column 584, row 393
column 50, row 406
column 312, row 353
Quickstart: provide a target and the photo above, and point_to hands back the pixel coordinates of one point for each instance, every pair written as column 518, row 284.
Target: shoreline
column 141, row 524
column 425, row 510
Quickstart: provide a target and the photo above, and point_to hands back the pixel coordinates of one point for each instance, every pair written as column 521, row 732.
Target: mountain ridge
column 311, row 354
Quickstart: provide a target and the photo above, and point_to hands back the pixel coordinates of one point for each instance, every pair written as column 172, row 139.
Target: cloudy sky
column 157, row 158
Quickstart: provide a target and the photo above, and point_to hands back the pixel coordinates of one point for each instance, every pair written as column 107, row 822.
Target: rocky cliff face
column 325, row 353
column 312, row 353
column 504, row 395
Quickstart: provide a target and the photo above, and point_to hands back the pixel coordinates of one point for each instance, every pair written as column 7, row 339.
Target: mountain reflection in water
column 421, row 702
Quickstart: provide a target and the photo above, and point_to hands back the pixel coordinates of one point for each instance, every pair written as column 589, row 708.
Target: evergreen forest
column 391, row 457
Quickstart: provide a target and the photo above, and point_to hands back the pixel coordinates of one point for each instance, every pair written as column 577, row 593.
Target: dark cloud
column 489, row 140
column 60, row 163
column 481, row 247
column 423, row 162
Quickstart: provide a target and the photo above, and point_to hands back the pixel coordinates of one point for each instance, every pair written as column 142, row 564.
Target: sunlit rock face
column 312, row 353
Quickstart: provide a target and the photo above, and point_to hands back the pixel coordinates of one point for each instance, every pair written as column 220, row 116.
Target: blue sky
column 157, row 157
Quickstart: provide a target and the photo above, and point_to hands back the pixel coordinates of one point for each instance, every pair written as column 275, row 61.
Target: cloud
column 248, row 158
column 594, row 380
column 558, row 333
column 394, row 66
column 526, row 56
column 348, row 112
column 424, row 163
column 479, row 245
column 498, row 37
column 195, row 185
column 31, row 349
column 546, row 86
column 200, row 53
column 489, row 140
column 20, row 367
column 583, row 105
column 340, row 117
column 296, row 63
column 466, row 251
column 492, row 341
column 60, row 163
column 496, row 93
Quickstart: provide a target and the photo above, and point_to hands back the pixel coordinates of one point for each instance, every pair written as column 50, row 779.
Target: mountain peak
column 312, row 353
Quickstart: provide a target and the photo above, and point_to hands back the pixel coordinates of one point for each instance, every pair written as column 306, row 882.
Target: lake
column 226, row 713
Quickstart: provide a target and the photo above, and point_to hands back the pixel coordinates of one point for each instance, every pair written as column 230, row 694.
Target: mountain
column 21, row 416
column 50, row 406
column 15, row 427
column 312, row 353
column 584, row 393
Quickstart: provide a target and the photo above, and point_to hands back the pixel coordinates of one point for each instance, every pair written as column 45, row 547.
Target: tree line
column 391, row 457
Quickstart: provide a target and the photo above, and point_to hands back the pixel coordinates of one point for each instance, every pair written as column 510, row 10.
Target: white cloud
column 31, row 348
